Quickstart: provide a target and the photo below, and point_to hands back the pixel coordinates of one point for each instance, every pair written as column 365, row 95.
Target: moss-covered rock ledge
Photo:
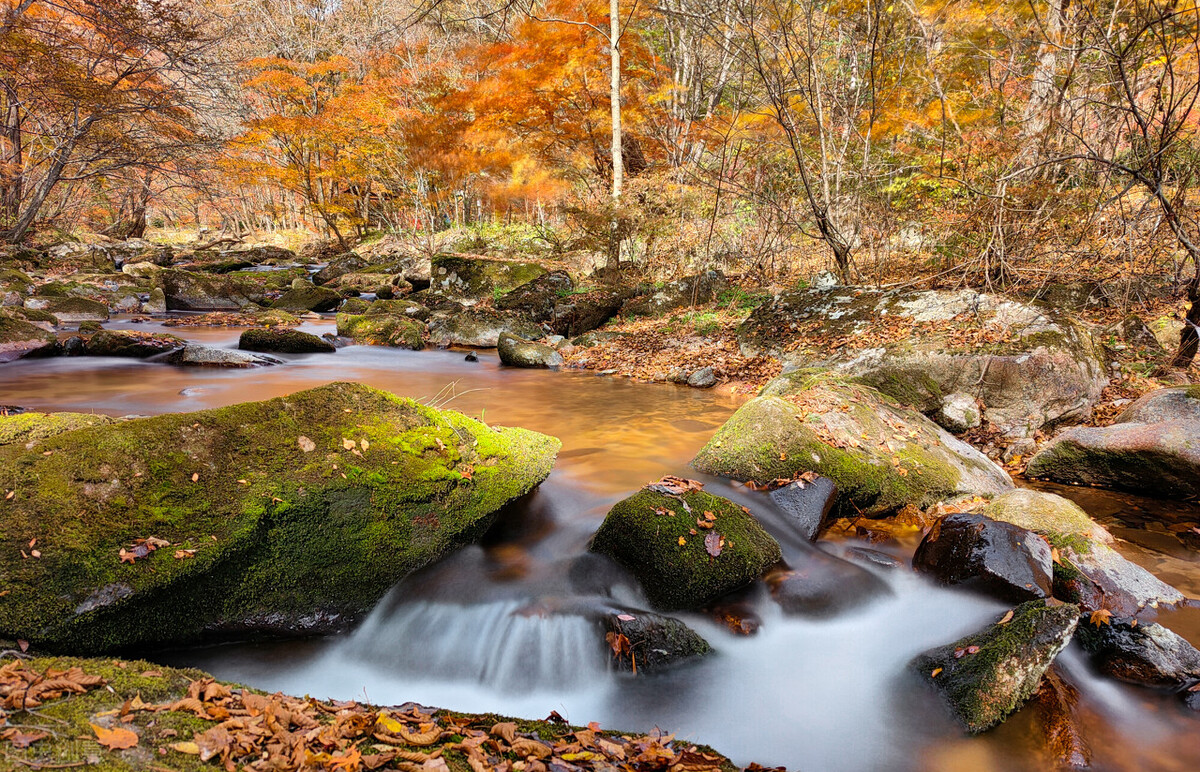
column 288, row 516
column 114, row 716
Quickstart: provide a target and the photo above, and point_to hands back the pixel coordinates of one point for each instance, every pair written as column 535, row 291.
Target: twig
column 44, row 765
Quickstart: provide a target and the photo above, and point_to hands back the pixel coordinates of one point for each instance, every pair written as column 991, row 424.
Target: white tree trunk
column 614, row 40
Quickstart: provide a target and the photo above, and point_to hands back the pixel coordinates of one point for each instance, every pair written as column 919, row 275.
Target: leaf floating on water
column 115, row 739
column 306, row 445
column 714, row 543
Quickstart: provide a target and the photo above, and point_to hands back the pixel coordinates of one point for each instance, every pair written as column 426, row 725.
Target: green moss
column 1193, row 392
column 308, row 298
column 31, row 427
column 642, row 534
column 283, row 340
column 382, row 330
column 280, row 534
column 34, row 315
column 478, row 277
column 18, row 330
column 355, row 306
column 1060, row 520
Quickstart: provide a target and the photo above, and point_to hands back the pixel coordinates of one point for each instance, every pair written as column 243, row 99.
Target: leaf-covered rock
column 288, row 516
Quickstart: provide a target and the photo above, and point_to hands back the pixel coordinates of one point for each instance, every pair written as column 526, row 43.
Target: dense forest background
column 983, row 142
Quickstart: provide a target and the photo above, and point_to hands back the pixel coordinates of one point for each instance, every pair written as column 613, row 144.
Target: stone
column 28, row 429
column 280, row 340
column 538, row 298
column 19, row 338
column 187, row 291
column 131, row 343
column 1057, row 702
column 684, row 293
column 308, row 298
column 518, row 352
column 704, row 378
column 283, row 546
column 988, row 556
column 1147, row 654
column 382, row 330
column 1044, row 368
column 958, row 413
column 985, row 677
column 882, row 456
column 477, row 278
column 75, row 310
column 806, row 504
column 479, row 328
column 141, row 270
column 339, row 266
column 399, row 307
column 678, row 570
column 193, row 355
column 820, row 586
column 582, row 312
column 157, row 302
column 1179, row 403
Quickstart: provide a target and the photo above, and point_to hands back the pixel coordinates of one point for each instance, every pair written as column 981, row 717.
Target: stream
column 467, row 633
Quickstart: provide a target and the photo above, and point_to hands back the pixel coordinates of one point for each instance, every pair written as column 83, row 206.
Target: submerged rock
column 518, row 352
column 882, row 456
column 193, row 355
column 1146, row 653
column 990, row 556
column 382, row 330
column 1029, row 365
column 28, row 429
column 650, row 533
column 20, row 338
column 818, row 585
column 1057, row 702
column 255, row 528
column 283, row 341
column 131, row 343
column 987, row 676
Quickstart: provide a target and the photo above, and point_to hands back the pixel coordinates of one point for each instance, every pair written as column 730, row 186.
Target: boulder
column 279, row 340
column 477, row 278
column 307, row 297
column 263, row 254
column 20, row 338
column 193, row 355
column 187, row 291
column 1029, row 365
column 339, row 266
column 580, row 313
column 1089, row 571
column 684, row 293
column 806, row 504
column 1132, row 333
column 141, row 251
column 987, row 676
column 354, row 306
column 362, row 281
column 704, row 378
column 255, row 530
column 27, row 429
column 518, row 352
column 958, row 413
column 81, row 256
column 75, row 310
column 881, row 455
column 156, row 303
column 1156, row 459
column 382, row 330
column 399, row 307
column 650, row 533
column 1179, row 403
column 988, row 556
column 1057, row 702
column 479, row 328
column 131, row 343
column 537, row 299
column 1146, row 653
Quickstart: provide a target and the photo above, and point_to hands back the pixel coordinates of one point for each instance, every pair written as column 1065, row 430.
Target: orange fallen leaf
column 1006, row 618
column 1100, row 616
column 115, row 739
column 195, row 476
column 935, row 673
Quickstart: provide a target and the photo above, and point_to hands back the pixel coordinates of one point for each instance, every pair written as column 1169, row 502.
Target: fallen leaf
column 682, row 541
column 306, row 445
column 1100, row 616
column 1006, row 618
column 36, row 553
column 935, row 672
column 713, row 542
column 184, row 554
column 195, row 476
column 349, row 444
column 190, row 748
column 115, row 739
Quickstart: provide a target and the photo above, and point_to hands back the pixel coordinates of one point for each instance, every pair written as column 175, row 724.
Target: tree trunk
column 12, row 175
column 618, row 161
column 1189, row 338
column 1039, row 109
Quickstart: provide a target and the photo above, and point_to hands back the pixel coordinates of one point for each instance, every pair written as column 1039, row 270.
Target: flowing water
column 477, row 632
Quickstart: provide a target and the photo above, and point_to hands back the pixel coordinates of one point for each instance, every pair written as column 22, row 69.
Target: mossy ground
column 279, row 534
column 30, row 427
column 18, row 330
column 652, row 534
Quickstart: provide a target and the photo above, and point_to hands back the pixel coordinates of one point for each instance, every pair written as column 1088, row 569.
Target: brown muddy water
column 809, row 694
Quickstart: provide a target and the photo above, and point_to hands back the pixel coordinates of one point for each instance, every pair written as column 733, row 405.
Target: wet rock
column 704, row 378
column 382, row 330
column 187, row 291
column 130, row 343
column 75, row 310
column 193, row 355
column 1048, row 370
column 476, row 278
column 807, row 504
column 580, row 313
column 1147, row 653
column 518, row 352
column 678, row 569
column 399, row 307
column 479, row 328
column 1057, row 702
column 958, row 413
column 339, row 266
column 307, row 297
column 987, row 676
column 819, row 585
column 882, row 456
column 28, row 429
column 19, row 338
column 988, row 556
column 232, row 473
column 684, row 293
column 471, row 357
column 1156, row 459
column 73, row 346
column 1179, row 403
column 283, row 341
column 865, row 555
column 1090, row 572
column 538, row 298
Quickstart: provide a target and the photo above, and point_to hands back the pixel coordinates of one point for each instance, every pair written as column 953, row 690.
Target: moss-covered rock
column 479, row 328
column 518, row 352
column 538, row 298
column 478, row 278
column 650, row 533
column 307, row 297
column 20, row 338
column 580, row 313
column 283, row 341
column 29, row 428
column 400, row 307
column 187, row 291
column 74, row 309
column 354, row 306
column 286, row 516
column 1089, row 571
column 987, row 676
column 382, row 330
column 882, row 456
column 131, row 343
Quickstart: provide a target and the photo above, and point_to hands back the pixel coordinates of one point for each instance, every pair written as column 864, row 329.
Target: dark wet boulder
column 193, row 355
column 650, row 533
column 807, row 504
column 27, row 429
column 131, row 343
column 1029, row 365
column 881, row 455
column 1145, row 653
column 479, row 328
column 187, row 291
column 1156, row 459
column 518, row 352
column 382, row 330
column 1089, row 572
column 684, row 293
column 582, row 312
column 537, row 299
column 988, row 556
column 73, row 310
column 987, row 676
column 818, row 585
column 1179, row 403
column 19, row 338
column 279, row 340
column 1057, row 702
column 304, row 296
column 399, row 307
column 215, row 523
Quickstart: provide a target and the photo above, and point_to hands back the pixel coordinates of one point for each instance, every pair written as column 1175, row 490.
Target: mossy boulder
column 518, row 352
column 478, row 278
column 985, row 677
column 131, row 343
column 27, row 429
column 538, row 298
column 1156, row 459
column 354, row 306
column 479, row 328
column 650, row 533
column 20, row 338
column 881, row 455
column 1029, row 365
column 582, row 312
column 401, row 307
column 382, row 330
column 292, row 515
column 307, row 297
column 1090, row 572
column 188, row 291
column 283, row 341
column 339, row 266
column 74, row 309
